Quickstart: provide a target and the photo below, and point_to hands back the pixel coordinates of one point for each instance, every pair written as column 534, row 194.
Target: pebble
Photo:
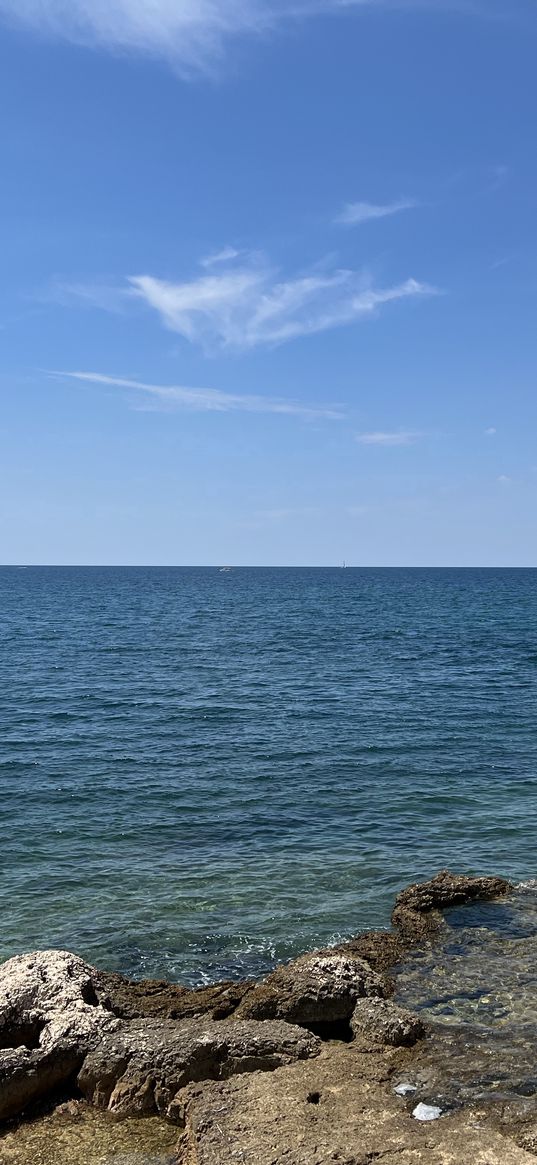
column 427, row 1112
column 405, row 1089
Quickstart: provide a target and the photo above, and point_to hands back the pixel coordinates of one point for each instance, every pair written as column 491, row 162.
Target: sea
column 206, row 771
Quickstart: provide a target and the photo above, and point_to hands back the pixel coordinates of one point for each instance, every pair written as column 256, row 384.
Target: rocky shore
column 315, row 1064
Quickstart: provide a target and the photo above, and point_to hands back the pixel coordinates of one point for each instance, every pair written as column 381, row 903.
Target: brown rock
column 320, row 988
column 417, row 910
column 385, row 1023
column 155, row 998
column 338, row 1109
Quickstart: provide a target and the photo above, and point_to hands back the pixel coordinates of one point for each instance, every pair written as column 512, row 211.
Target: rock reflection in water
column 76, row 1133
column 476, row 986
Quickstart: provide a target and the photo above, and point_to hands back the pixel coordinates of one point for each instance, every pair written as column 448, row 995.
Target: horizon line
column 258, row 566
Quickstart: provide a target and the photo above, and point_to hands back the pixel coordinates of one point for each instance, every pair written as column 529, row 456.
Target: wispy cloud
column 387, row 438
column 249, row 305
column 491, row 432
column 190, row 34
column 106, row 296
column 289, row 512
column 355, row 213
column 207, row 399
column 225, row 255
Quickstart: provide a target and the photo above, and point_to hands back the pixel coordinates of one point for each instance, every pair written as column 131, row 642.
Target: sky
column 268, row 282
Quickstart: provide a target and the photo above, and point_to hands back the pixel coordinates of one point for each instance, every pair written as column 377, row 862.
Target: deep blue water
column 201, row 772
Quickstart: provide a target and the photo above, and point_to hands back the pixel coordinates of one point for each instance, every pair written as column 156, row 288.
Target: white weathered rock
column 405, row 1089
column 49, row 1018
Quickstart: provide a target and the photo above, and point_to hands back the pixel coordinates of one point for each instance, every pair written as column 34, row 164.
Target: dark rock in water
column 319, row 988
column 384, row 1022
column 154, row 998
column 139, row 1069
column 417, row 910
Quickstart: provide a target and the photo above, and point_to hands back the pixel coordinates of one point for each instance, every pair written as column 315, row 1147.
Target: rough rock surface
column 417, row 910
column 49, row 1017
column 139, row 1069
column 320, row 988
column 382, row 1022
column 339, row 1108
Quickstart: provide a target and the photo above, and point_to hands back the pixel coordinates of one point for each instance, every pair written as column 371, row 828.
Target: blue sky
column 268, row 282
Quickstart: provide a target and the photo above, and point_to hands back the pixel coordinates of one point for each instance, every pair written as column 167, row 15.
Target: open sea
column 202, row 772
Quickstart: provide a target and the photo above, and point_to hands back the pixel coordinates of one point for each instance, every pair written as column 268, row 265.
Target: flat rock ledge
column 147, row 1049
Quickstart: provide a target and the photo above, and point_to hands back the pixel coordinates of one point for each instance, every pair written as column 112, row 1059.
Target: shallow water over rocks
column 476, row 988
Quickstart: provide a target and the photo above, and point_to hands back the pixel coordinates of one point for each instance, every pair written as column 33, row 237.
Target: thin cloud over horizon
column 388, row 438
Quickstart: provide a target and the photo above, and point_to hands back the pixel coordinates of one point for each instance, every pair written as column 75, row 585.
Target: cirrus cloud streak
column 207, row 400
column 388, row 439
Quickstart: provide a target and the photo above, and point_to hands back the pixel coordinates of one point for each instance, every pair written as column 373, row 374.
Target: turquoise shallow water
column 202, row 772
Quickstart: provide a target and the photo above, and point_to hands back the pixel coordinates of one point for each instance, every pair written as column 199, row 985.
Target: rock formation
column 296, row 1066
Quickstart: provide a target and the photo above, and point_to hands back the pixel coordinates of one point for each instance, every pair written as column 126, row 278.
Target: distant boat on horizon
column 225, row 569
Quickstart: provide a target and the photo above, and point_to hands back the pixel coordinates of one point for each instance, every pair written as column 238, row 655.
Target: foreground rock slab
column 339, row 1109
column 139, row 1069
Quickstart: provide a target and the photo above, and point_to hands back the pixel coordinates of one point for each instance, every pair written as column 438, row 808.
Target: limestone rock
column 320, row 988
column 49, row 1017
column 138, row 1069
column 385, row 1023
